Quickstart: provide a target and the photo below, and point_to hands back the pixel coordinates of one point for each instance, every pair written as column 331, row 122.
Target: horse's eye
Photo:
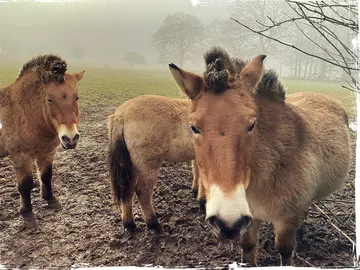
column 77, row 98
column 50, row 100
column 250, row 129
column 194, row 129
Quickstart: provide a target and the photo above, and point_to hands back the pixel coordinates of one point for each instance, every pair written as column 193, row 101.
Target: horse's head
column 223, row 121
column 60, row 99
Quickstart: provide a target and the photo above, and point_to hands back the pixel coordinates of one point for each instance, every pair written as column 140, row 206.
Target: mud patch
column 88, row 228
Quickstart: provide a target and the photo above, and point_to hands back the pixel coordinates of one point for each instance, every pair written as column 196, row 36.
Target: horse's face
column 62, row 102
column 224, row 128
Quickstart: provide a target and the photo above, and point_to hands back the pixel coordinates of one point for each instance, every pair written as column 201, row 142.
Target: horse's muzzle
column 223, row 231
column 69, row 143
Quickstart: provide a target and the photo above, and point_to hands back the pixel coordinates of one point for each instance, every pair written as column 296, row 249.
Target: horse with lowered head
column 261, row 155
column 38, row 112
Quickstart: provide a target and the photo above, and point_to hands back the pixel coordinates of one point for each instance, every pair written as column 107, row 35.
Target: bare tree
column 179, row 38
column 134, row 59
column 335, row 24
column 79, row 53
column 225, row 33
column 252, row 12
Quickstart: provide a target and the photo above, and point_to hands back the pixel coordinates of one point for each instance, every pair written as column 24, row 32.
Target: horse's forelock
column 219, row 69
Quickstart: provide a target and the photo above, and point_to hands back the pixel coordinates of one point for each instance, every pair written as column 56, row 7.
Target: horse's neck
column 29, row 106
column 280, row 132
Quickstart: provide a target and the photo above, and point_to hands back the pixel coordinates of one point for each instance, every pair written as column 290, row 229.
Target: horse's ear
column 191, row 84
column 79, row 75
column 42, row 74
column 252, row 73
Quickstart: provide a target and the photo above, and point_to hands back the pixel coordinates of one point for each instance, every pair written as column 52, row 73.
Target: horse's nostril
column 65, row 139
column 76, row 138
column 217, row 223
column 243, row 223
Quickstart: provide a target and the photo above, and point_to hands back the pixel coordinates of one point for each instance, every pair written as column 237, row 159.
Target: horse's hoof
column 53, row 203
column 154, row 225
column 202, row 204
column 30, row 220
column 129, row 229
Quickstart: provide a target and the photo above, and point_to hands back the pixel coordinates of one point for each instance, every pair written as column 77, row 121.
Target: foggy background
column 153, row 33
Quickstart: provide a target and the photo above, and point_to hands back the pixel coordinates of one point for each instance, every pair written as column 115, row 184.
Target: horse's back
column 328, row 147
column 322, row 105
column 155, row 128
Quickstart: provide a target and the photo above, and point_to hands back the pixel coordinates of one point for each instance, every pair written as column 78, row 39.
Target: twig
column 336, row 227
column 293, row 46
column 305, row 261
column 335, row 216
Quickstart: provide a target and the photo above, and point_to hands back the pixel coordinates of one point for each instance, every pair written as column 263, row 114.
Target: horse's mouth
column 68, row 146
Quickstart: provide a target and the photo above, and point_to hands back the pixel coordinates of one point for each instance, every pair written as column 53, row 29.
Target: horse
column 262, row 155
column 38, row 112
column 143, row 133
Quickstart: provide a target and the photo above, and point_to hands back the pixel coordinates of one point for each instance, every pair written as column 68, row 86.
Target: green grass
column 111, row 86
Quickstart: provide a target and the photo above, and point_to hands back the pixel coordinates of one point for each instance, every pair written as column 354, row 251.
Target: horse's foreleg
column 195, row 183
column 45, row 170
column 248, row 244
column 23, row 171
column 202, row 198
column 284, row 242
column 3, row 151
column 144, row 191
column 198, row 189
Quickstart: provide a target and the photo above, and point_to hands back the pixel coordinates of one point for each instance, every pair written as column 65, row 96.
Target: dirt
column 87, row 231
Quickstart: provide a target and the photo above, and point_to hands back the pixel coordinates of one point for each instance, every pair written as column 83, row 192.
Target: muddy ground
column 87, row 230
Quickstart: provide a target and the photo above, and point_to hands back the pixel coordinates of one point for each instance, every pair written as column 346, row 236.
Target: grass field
column 111, row 86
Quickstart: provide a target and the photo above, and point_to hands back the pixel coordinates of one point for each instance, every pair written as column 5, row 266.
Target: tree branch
column 293, row 47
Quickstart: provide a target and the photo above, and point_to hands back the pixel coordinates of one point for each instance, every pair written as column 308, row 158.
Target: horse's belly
column 180, row 151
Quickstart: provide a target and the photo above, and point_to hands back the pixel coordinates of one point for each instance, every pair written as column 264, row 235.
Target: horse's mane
column 52, row 64
column 220, row 67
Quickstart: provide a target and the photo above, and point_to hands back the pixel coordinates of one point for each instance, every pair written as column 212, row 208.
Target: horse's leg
column 201, row 198
column 284, row 241
column 195, row 183
column 25, row 181
column 248, row 243
column 300, row 232
column 44, row 165
column 3, row 151
column 198, row 188
column 127, row 207
column 144, row 191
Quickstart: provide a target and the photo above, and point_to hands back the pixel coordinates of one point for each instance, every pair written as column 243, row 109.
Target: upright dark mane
column 271, row 87
column 54, row 66
column 220, row 68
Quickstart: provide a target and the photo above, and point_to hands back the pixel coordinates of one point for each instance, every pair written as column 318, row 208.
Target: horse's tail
column 120, row 165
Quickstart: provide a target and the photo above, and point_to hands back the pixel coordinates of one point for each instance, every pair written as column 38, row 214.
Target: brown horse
column 144, row 132
column 37, row 113
column 261, row 156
